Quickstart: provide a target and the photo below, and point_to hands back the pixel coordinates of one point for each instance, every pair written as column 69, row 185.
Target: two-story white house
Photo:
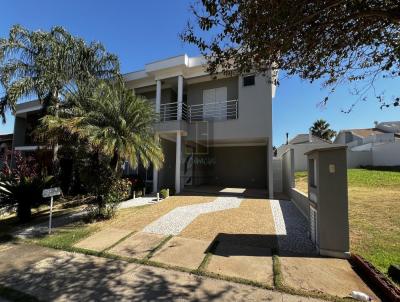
column 214, row 130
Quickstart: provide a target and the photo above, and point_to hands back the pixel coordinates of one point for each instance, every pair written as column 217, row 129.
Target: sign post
column 51, row 193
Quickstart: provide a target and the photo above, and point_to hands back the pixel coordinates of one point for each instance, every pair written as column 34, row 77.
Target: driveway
column 230, row 236
column 52, row 275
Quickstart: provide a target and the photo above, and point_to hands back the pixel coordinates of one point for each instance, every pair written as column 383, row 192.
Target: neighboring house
column 27, row 116
column 377, row 146
column 214, row 130
column 5, row 147
column 301, row 144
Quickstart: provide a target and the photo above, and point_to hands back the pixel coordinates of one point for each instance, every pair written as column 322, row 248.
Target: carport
column 230, row 166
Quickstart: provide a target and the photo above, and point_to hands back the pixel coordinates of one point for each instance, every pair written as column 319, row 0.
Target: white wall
column 386, row 154
column 277, row 172
column 300, row 160
column 356, row 159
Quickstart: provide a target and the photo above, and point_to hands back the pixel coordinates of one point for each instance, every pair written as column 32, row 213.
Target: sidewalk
column 61, row 276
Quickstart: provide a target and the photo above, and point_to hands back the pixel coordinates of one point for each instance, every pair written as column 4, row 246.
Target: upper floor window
column 249, row 80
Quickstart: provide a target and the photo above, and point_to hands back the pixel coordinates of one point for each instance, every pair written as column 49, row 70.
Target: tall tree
column 333, row 40
column 321, row 129
column 40, row 64
column 110, row 119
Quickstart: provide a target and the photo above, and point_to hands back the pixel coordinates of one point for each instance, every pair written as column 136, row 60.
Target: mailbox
column 327, row 192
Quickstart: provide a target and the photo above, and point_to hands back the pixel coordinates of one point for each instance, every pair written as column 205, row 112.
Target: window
column 249, row 80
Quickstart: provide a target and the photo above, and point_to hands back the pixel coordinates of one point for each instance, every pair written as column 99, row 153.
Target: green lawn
column 374, row 214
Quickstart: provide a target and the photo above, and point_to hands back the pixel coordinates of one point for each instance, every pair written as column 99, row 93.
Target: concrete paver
column 182, row 252
column 327, row 275
column 103, row 239
column 63, row 276
column 138, row 245
column 246, row 262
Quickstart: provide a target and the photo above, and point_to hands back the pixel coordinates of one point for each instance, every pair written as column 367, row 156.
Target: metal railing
column 214, row 111
column 228, row 110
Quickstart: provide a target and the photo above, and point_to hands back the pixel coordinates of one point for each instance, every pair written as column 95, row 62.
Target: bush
column 164, row 193
column 123, row 187
column 22, row 186
column 107, row 204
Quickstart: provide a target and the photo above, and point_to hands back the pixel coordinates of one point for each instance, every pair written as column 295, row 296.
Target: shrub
column 123, row 187
column 164, row 193
column 22, row 186
column 107, row 203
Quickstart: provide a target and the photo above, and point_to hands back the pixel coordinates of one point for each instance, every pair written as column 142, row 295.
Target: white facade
column 215, row 113
column 378, row 146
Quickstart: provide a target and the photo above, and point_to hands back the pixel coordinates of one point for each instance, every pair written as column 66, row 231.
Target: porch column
column 180, row 97
column 155, row 174
column 178, row 163
column 158, row 96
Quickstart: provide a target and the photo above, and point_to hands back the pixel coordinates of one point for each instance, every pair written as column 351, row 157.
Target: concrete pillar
column 158, row 96
column 178, row 163
column 180, row 97
column 155, row 175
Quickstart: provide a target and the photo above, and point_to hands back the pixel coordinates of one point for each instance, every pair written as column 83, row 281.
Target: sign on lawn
column 51, row 192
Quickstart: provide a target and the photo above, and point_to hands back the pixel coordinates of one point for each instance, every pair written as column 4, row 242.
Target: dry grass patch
column 137, row 218
column 253, row 217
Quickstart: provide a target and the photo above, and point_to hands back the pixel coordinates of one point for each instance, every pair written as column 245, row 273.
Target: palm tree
column 44, row 65
column 112, row 120
column 321, row 129
column 41, row 65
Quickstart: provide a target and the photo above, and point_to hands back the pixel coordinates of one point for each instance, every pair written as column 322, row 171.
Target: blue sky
column 144, row 31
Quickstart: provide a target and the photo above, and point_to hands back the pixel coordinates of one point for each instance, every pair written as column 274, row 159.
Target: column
column 158, row 96
column 178, row 163
column 155, row 175
column 180, row 97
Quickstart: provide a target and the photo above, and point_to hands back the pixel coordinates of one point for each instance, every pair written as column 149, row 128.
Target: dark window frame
column 249, row 77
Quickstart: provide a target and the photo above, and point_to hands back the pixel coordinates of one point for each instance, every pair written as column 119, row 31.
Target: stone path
column 137, row 202
column 176, row 220
column 291, row 228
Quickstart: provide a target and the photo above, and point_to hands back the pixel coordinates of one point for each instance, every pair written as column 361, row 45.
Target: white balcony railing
column 228, row 110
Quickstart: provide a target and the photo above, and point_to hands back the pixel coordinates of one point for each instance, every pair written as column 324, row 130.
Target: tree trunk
column 114, row 161
column 55, row 147
column 24, row 211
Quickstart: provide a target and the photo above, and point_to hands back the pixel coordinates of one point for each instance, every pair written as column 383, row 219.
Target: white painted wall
column 277, row 172
column 355, row 159
column 386, row 154
column 300, row 160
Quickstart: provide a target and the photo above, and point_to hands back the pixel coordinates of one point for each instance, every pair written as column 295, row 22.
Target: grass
column 64, row 238
column 374, row 215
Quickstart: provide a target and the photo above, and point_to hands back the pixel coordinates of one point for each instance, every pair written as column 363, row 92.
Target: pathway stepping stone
column 241, row 261
column 138, row 245
column 183, row 252
column 103, row 239
column 328, row 275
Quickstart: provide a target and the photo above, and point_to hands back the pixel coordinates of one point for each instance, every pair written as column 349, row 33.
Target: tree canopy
column 334, row 40
column 40, row 64
column 111, row 120
column 321, row 129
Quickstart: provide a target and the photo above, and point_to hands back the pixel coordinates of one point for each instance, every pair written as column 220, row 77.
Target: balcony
column 219, row 111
